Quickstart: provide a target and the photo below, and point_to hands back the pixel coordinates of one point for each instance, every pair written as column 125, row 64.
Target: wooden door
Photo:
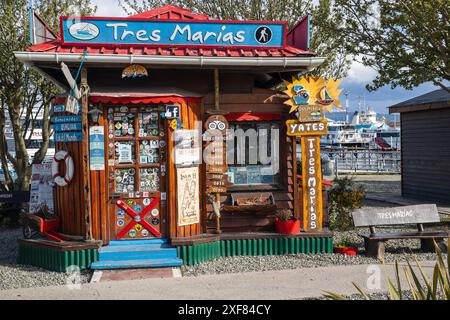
column 136, row 165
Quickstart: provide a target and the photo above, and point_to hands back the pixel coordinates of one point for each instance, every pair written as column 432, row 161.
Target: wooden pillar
column 216, row 90
column 85, row 153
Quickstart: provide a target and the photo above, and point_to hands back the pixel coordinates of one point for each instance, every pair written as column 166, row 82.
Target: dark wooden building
column 425, row 139
column 135, row 196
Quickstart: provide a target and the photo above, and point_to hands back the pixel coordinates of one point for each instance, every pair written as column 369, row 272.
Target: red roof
column 175, row 13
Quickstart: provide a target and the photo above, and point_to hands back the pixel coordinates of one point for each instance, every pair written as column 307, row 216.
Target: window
column 253, row 154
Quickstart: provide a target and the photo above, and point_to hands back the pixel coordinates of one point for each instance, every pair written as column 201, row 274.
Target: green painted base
column 56, row 260
column 196, row 254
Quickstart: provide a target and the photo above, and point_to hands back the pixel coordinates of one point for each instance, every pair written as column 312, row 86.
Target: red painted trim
column 135, row 100
column 252, row 116
column 141, row 100
column 64, row 18
column 133, row 214
column 175, row 20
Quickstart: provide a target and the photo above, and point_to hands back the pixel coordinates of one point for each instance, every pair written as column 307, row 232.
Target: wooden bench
column 418, row 214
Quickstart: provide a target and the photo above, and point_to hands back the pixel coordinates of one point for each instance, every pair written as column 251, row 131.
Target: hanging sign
column 215, row 154
column 62, row 127
column 97, row 148
column 66, row 119
column 134, row 71
column 299, row 128
column 129, row 31
column 59, row 108
column 188, row 198
column 68, row 136
column 312, row 184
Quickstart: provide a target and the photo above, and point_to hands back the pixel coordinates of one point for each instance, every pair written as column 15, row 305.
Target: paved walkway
column 284, row 284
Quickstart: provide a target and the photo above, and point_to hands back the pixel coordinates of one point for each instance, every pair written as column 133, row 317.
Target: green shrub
column 419, row 284
column 344, row 197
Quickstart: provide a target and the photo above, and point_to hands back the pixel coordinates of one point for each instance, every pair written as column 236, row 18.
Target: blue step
column 127, row 264
column 139, row 242
column 139, row 253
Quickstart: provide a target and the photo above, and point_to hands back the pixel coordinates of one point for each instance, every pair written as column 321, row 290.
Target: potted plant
column 286, row 223
column 346, row 247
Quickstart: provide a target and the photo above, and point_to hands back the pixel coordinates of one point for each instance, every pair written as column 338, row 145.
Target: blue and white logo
column 84, row 31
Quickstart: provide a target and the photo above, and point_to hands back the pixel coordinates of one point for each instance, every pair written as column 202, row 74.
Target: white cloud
column 108, row 8
column 361, row 74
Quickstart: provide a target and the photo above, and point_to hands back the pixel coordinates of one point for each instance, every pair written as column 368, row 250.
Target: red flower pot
column 287, row 227
column 350, row 251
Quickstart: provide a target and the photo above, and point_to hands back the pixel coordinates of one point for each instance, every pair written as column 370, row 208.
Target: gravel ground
column 14, row 276
column 400, row 250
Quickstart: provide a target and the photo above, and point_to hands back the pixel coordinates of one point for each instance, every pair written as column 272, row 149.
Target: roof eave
column 302, row 63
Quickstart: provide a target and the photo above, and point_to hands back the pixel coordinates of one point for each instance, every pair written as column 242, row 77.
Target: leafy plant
column 437, row 288
column 344, row 243
column 344, row 197
column 285, row 215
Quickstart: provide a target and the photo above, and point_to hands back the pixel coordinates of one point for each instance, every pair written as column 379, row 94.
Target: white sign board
column 41, row 196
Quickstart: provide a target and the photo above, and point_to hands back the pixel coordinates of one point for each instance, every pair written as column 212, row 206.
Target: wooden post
column 216, row 90
column 85, row 153
column 312, row 184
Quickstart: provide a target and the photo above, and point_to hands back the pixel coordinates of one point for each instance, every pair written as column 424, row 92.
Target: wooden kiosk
column 148, row 83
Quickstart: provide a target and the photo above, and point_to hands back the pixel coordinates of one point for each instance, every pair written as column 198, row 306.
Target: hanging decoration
column 134, row 71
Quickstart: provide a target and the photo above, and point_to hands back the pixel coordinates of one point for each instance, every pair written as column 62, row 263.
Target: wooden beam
column 85, row 153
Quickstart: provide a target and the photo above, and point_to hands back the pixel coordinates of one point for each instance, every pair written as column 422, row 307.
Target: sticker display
column 149, row 152
column 125, row 180
column 150, row 180
column 125, row 152
column 123, row 123
column 132, row 233
column 149, row 124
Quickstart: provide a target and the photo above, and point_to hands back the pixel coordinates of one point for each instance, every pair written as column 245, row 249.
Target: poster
column 41, row 196
column 187, row 148
column 188, row 196
column 97, row 148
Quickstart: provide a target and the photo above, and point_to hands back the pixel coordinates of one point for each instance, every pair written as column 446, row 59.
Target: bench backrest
column 424, row 213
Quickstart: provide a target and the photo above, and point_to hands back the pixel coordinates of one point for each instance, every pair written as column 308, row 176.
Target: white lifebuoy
column 57, row 178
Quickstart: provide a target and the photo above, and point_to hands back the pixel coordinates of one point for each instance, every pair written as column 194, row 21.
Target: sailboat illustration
column 325, row 98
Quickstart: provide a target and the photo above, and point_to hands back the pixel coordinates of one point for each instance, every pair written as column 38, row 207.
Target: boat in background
column 364, row 131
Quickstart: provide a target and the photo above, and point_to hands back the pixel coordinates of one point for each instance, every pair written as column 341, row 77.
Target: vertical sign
column 41, row 197
column 312, row 184
column 97, row 148
column 188, row 184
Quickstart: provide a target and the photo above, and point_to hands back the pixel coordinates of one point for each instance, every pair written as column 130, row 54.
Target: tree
column 23, row 92
column 406, row 41
column 325, row 16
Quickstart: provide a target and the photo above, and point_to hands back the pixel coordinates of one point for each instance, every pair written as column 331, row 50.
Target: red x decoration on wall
column 138, row 218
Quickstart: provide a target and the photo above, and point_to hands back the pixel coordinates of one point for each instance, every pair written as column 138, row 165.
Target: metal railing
column 362, row 160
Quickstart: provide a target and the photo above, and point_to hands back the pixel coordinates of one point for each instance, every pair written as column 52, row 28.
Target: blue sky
column 358, row 77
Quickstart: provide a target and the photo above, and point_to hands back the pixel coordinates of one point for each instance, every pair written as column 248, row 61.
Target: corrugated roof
column 436, row 96
column 175, row 13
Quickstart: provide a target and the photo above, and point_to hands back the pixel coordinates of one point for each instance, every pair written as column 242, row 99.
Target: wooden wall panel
column 425, row 155
column 69, row 199
column 189, row 114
